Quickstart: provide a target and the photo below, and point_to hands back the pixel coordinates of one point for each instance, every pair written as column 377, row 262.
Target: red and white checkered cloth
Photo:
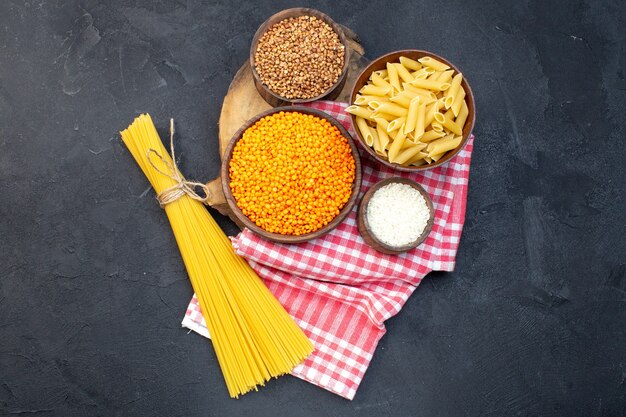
column 338, row 289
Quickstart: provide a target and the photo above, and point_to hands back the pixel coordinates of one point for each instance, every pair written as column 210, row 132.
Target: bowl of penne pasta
column 412, row 110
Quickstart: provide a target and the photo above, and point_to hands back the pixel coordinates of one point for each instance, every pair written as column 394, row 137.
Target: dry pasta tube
column 430, row 84
column 419, row 124
column 397, row 144
column 451, row 92
column 418, row 159
column 450, row 125
column 383, row 140
column 431, row 62
column 360, row 111
column 392, row 108
column 374, row 90
column 379, row 81
column 365, row 131
column 401, row 99
column 392, row 72
column 408, row 153
column 396, row 124
column 411, row 118
column 403, row 73
column 446, row 76
column 410, row 63
column 463, row 113
column 431, row 135
column 444, row 146
column 458, row 102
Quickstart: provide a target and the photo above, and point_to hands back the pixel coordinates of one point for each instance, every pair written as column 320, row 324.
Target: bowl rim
column 286, row 14
column 362, row 214
column 469, row 95
column 276, row 237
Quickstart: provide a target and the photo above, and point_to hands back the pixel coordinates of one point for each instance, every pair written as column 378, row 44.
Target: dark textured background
column 92, row 287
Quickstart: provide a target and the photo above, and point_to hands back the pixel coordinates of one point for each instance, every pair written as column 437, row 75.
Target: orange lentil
column 291, row 173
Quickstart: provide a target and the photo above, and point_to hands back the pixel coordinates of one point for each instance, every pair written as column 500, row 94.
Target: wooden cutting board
column 243, row 101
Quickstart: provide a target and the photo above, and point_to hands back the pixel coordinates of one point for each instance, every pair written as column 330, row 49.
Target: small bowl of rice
column 395, row 215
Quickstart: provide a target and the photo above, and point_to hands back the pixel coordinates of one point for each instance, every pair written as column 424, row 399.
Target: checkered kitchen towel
column 339, row 290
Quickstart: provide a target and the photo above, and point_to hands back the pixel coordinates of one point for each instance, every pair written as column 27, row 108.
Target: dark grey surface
column 92, row 288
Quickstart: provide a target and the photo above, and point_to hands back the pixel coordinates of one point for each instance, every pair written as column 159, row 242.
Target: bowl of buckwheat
column 299, row 55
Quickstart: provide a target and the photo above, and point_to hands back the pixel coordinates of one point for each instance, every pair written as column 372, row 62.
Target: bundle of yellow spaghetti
column 254, row 337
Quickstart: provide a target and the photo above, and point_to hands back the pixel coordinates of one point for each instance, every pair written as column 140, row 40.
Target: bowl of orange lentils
column 291, row 174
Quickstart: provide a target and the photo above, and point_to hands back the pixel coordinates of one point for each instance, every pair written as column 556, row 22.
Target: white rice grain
column 397, row 214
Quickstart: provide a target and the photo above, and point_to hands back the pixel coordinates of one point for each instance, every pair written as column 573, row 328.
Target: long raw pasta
column 254, row 338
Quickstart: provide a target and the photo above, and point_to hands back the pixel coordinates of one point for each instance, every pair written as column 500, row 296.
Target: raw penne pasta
column 430, row 84
column 408, row 153
column 362, row 100
column 403, row 73
column 446, row 76
column 408, row 88
column 392, row 71
column 417, row 159
column 398, row 143
column 431, row 62
column 411, row 118
column 462, row 117
column 375, row 104
column 444, row 145
column 392, row 108
column 458, row 102
column 408, row 140
column 437, row 143
column 435, row 158
column 423, row 73
column 388, row 117
column 437, row 126
column 419, row 125
column 401, row 99
column 419, row 162
column 383, row 139
column 449, row 123
column 396, row 124
column 379, row 81
column 435, row 75
column 431, row 110
column 428, row 100
column 410, row 63
column 451, row 92
column 413, row 111
column 364, row 128
column 360, row 111
column 382, row 122
column 375, row 142
column 374, row 90
column 381, row 73
column 431, row 135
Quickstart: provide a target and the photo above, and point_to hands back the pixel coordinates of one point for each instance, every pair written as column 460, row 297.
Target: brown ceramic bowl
column 271, row 97
column 364, row 227
column 381, row 63
column 276, row 237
